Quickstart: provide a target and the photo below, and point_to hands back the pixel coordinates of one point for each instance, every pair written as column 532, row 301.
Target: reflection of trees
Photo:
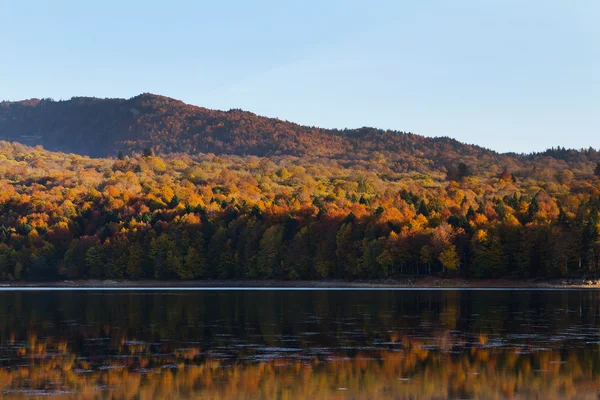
column 382, row 344
column 415, row 370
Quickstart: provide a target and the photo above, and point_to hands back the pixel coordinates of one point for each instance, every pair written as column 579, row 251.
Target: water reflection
column 277, row 344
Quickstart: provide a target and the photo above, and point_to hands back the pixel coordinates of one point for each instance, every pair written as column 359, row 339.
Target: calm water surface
column 346, row 344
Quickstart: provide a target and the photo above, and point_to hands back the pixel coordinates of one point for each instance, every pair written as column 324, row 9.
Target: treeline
column 67, row 216
column 242, row 243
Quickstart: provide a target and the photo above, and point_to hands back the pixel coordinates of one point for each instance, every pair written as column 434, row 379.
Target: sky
column 510, row 75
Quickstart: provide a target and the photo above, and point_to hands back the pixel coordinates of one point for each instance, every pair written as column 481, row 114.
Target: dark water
column 300, row 344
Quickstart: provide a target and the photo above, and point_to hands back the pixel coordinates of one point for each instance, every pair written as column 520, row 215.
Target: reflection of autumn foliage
column 183, row 217
column 188, row 346
column 415, row 368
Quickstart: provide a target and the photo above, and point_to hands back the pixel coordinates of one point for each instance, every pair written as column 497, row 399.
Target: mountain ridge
column 102, row 127
column 152, row 104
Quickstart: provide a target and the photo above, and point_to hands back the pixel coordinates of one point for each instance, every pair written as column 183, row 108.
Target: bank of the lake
column 420, row 283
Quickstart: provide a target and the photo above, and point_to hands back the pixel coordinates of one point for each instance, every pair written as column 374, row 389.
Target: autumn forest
column 151, row 188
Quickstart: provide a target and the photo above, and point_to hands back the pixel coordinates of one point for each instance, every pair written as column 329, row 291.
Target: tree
column 163, row 257
column 423, row 209
column 488, row 255
column 533, row 209
column 226, row 265
column 506, row 175
column 346, row 251
column 135, row 262
column 194, row 265
column 449, row 258
column 464, row 171
column 325, row 252
column 470, row 213
column 369, row 264
column 299, row 257
column 40, row 268
column 175, row 264
column 215, row 250
column 271, row 252
column 95, row 261
column 117, row 257
column 426, row 257
column 147, row 152
column 386, row 261
column 597, row 170
column 174, row 201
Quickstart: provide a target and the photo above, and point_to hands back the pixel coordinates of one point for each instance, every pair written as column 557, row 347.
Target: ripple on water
column 319, row 350
column 337, row 358
column 110, row 367
column 136, row 343
column 39, row 393
column 145, row 371
column 279, row 349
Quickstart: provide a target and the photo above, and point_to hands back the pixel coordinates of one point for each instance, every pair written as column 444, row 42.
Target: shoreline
column 420, row 283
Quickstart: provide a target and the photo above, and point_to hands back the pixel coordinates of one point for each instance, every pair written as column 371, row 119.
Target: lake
column 290, row 344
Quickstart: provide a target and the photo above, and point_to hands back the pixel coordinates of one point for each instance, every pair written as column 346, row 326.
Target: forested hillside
column 103, row 127
column 304, row 216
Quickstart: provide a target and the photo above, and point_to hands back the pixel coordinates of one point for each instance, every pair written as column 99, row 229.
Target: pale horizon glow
column 506, row 75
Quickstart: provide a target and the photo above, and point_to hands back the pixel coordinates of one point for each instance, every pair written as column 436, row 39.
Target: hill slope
column 102, row 127
column 230, row 217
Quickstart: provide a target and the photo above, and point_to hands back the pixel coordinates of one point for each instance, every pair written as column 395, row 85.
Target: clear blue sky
column 518, row 75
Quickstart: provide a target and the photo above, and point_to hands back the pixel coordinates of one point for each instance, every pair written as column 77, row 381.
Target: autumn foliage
column 105, row 127
column 287, row 217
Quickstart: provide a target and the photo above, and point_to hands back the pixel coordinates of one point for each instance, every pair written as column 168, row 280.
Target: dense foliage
column 206, row 216
column 103, row 127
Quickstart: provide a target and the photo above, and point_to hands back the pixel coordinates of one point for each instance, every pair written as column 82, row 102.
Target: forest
column 105, row 127
column 145, row 215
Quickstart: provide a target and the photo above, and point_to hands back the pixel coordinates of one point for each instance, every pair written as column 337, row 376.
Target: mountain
column 103, row 127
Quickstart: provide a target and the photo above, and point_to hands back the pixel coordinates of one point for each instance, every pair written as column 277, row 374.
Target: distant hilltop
column 104, row 127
